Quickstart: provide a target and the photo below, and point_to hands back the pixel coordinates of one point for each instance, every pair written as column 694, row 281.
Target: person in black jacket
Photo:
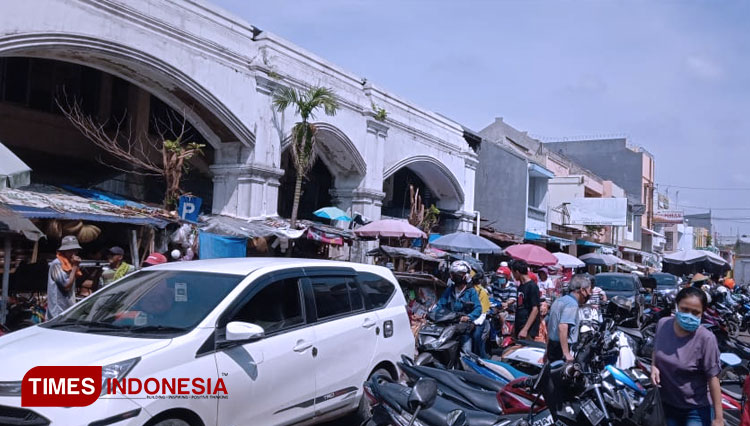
column 527, row 302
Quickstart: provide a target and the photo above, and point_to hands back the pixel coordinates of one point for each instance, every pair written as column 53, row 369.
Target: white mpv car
column 292, row 339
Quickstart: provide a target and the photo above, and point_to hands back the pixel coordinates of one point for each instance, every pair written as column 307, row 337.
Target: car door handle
column 302, row 346
column 368, row 323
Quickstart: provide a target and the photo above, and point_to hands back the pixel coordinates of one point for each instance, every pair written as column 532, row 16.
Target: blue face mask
column 688, row 322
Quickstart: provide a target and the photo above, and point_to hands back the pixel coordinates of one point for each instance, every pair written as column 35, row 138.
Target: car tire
column 172, row 422
column 364, row 411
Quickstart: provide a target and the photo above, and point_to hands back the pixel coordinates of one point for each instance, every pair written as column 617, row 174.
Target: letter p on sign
column 189, row 208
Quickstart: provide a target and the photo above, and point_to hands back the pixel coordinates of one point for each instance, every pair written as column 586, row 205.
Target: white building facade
column 221, row 73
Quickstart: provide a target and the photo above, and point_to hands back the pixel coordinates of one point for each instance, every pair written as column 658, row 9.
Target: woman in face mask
column 686, row 364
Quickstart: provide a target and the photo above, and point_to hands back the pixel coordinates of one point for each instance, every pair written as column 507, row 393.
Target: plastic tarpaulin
column 324, row 237
column 213, row 246
column 14, row 173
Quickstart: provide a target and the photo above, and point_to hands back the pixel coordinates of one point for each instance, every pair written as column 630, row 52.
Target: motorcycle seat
column 513, row 372
column 436, row 415
column 478, row 380
column 483, row 399
column 531, row 344
column 733, row 391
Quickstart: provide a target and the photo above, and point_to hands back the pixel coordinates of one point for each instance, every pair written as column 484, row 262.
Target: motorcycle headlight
column 436, row 343
column 117, row 371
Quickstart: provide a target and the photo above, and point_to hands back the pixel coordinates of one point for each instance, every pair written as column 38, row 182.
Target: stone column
column 241, row 189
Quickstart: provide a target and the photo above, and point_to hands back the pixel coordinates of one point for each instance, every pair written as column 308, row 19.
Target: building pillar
column 245, row 190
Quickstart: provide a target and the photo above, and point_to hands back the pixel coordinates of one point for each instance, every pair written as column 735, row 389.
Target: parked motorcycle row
column 607, row 384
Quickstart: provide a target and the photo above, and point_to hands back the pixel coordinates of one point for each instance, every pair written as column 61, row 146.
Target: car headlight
column 117, row 371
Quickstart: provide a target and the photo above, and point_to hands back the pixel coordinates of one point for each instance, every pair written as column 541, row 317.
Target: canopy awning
column 652, row 232
column 49, row 202
column 12, row 222
column 49, row 213
column 532, row 236
column 402, row 252
column 14, row 173
column 585, row 243
column 535, row 170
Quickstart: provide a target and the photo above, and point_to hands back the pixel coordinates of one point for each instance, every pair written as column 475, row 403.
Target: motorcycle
column 423, row 405
column 439, row 341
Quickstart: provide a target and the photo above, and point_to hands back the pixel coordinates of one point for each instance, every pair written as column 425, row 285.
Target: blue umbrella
column 333, row 213
column 465, row 242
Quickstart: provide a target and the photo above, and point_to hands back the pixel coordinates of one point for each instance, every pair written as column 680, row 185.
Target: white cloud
column 704, row 67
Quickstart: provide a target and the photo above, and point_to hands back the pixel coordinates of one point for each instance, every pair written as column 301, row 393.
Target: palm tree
column 303, row 133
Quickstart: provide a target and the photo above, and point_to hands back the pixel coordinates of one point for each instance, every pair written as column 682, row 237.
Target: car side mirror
column 423, row 393
column 242, row 331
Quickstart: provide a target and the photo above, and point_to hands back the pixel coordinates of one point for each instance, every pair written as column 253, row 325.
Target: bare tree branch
column 138, row 149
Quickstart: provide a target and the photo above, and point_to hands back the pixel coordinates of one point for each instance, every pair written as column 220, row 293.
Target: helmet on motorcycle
column 729, row 283
column 460, row 272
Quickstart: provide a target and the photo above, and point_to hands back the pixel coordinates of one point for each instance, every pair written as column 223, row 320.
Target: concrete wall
column 501, row 191
column 611, row 159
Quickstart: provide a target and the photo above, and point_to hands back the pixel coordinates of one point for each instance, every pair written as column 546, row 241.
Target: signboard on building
column 598, row 211
column 189, row 208
column 669, row 216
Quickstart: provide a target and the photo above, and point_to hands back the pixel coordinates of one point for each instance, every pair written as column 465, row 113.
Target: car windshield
column 149, row 303
column 615, row 283
column 665, row 281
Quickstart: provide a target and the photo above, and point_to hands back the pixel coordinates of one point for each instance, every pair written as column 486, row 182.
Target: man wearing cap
column 118, row 268
column 61, row 279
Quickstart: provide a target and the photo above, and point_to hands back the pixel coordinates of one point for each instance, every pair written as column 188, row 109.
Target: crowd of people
column 67, row 280
column 685, row 358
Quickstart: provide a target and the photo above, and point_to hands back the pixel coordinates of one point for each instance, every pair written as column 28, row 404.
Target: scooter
column 423, row 405
column 439, row 341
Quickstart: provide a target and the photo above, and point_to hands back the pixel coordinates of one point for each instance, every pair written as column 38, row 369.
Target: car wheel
column 364, row 410
column 172, row 422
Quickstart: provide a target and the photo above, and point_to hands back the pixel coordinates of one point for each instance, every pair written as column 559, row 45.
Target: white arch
column 177, row 89
column 436, row 175
column 337, row 151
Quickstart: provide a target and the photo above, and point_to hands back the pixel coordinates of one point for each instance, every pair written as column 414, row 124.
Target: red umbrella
column 390, row 228
column 531, row 254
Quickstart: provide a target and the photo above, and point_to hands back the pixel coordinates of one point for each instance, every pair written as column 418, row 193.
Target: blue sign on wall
column 189, row 208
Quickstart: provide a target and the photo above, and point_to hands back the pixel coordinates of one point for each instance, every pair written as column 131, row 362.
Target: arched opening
column 315, row 188
column 397, row 191
column 34, row 127
column 437, row 186
column 339, row 168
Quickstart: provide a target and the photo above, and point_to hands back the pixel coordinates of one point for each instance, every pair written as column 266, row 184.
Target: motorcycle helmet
column 729, row 283
column 460, row 271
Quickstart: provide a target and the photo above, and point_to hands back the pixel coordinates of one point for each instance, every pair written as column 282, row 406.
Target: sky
column 671, row 76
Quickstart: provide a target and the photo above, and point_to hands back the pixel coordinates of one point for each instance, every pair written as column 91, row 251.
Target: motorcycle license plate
column 431, row 330
column 592, row 412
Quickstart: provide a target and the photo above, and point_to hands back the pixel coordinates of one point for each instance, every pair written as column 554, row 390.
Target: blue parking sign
column 189, row 207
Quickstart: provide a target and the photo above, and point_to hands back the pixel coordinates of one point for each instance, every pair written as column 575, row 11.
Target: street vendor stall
column 12, row 227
